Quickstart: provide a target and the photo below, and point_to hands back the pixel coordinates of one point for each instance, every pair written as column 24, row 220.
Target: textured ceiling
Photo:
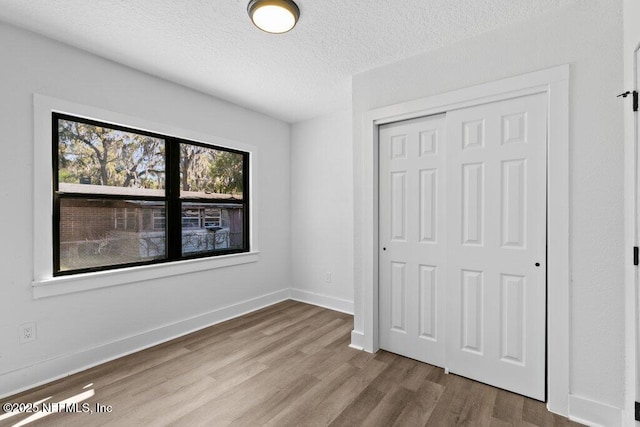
column 211, row 45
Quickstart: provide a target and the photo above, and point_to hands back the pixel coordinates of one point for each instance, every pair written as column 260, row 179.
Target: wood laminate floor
column 286, row 365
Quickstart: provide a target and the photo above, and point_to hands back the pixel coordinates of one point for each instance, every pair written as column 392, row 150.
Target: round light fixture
column 273, row 16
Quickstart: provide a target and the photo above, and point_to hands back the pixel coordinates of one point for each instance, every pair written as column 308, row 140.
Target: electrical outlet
column 327, row 277
column 28, row 332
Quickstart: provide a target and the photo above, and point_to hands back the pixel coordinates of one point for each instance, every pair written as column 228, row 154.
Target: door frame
column 632, row 235
column 554, row 83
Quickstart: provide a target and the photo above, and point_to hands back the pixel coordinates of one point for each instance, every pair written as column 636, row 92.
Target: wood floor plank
column 291, row 319
column 508, row 407
column 451, row 401
column 536, row 413
column 360, row 358
column 276, row 403
column 338, row 332
column 294, row 413
column 286, row 364
column 325, row 411
column 359, row 408
column 390, row 407
column 310, row 332
column 397, row 369
column 416, row 375
column 477, row 408
column 275, row 322
column 419, row 409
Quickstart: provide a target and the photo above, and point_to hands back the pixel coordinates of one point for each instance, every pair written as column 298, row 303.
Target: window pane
column 94, row 159
column 209, row 227
column 209, row 173
column 96, row 233
column 159, row 219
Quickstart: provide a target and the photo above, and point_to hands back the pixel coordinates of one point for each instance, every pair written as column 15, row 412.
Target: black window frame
column 172, row 199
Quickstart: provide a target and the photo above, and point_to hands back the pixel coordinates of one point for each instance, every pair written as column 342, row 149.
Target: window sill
column 54, row 286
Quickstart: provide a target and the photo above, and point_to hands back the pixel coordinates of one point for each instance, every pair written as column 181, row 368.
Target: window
column 125, row 219
column 200, row 217
column 124, row 197
column 159, row 219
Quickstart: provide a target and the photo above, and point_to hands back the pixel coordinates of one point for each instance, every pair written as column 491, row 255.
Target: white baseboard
column 13, row 382
column 592, row 413
column 333, row 303
column 357, row 340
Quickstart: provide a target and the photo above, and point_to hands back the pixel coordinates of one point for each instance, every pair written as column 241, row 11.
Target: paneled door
column 463, row 242
column 496, row 286
column 412, row 238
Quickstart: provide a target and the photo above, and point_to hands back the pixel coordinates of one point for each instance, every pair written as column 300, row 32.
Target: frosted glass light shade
column 273, row 16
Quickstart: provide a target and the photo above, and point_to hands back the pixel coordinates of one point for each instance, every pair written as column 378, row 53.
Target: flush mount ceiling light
column 273, row 16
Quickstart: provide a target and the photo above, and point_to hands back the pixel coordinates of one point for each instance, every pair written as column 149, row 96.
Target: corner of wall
column 326, row 301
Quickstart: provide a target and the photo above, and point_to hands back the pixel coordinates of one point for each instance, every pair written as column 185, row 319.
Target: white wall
column 83, row 328
column 631, row 42
column 588, row 36
column 322, row 210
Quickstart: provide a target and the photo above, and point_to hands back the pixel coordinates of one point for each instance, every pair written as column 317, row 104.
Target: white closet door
column 496, row 286
column 412, row 239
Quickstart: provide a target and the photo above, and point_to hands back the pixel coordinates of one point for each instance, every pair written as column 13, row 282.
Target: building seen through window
column 125, row 197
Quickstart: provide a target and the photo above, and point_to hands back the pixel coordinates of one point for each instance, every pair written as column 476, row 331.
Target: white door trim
column 632, row 238
column 554, row 82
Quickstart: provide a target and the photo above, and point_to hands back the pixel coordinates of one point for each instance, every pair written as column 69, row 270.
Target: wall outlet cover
column 28, row 332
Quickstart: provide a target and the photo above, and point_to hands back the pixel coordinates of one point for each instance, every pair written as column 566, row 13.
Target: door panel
column 514, row 203
column 411, row 229
column 472, row 203
column 398, row 206
column 512, row 309
column 471, row 311
column 427, row 297
column 399, row 297
column 428, row 193
column 495, row 292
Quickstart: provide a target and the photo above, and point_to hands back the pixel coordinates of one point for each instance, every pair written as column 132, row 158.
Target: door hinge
column 637, row 411
column 634, row 96
column 636, row 255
